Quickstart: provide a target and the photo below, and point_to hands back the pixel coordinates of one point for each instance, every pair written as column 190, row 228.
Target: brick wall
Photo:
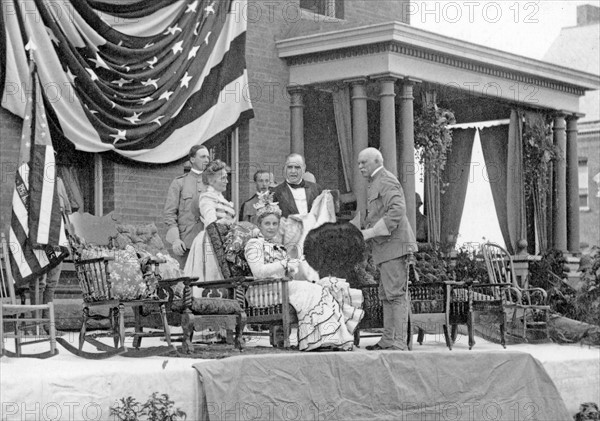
column 374, row 11
column 139, row 191
column 269, row 131
column 10, row 144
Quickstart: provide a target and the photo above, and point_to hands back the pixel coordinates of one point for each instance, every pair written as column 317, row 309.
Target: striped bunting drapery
column 37, row 240
column 146, row 79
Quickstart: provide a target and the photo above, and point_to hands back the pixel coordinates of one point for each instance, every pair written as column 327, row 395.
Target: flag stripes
column 135, row 89
column 37, row 228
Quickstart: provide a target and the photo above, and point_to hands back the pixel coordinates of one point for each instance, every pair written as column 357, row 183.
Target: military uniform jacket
column 181, row 207
column 248, row 211
column 385, row 200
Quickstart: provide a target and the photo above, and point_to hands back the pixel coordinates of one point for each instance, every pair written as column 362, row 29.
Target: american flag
column 37, row 239
column 147, row 80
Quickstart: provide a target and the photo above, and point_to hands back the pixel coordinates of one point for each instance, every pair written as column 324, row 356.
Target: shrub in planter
column 587, row 299
column 158, row 407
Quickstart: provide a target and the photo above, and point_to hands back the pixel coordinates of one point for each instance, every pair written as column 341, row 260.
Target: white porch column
column 406, row 151
column 360, row 139
column 572, row 186
column 388, row 122
column 296, row 120
column 559, row 208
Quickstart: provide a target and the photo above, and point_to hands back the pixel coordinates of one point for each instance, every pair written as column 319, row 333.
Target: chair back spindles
column 19, row 313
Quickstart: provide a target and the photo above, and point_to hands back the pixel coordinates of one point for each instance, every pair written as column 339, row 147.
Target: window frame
column 584, row 192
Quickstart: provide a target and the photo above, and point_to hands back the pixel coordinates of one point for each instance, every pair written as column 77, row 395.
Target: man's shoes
column 375, row 347
column 378, row 347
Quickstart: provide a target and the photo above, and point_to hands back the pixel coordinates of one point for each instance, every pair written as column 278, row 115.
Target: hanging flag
column 37, row 239
column 147, row 80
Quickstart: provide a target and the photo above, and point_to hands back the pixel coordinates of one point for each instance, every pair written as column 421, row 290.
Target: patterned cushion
column 210, row 306
column 125, row 273
column 228, row 243
column 235, row 244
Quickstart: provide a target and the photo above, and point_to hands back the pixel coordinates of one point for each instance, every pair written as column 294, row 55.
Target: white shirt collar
column 376, row 171
column 195, row 171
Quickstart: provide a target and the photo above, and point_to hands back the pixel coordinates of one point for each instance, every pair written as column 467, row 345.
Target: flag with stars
column 37, row 240
column 145, row 79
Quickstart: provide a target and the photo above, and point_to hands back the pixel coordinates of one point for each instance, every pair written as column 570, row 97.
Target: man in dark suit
column 295, row 195
column 392, row 240
column 262, row 179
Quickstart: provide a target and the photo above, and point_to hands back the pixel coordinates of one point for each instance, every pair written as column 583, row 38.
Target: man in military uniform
column 181, row 213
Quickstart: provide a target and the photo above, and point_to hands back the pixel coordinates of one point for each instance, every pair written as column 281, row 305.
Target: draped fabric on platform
column 456, row 180
column 515, row 187
column 146, row 79
column 343, row 124
column 494, row 145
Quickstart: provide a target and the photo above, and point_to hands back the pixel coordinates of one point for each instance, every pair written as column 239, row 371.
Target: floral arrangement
column 587, row 299
column 433, row 138
column 470, row 266
column 430, row 266
column 548, row 274
column 125, row 274
column 157, row 408
column 538, row 153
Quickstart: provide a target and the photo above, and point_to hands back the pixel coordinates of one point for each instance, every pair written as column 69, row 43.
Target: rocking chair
column 95, row 281
column 529, row 318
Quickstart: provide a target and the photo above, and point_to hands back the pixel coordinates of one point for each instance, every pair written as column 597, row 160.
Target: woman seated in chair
column 213, row 208
column 321, row 322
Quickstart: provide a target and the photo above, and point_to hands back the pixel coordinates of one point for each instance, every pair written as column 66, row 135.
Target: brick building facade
column 136, row 192
column 320, row 45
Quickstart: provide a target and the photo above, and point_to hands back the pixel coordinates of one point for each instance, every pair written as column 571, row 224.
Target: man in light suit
column 181, row 213
column 392, row 240
column 295, row 195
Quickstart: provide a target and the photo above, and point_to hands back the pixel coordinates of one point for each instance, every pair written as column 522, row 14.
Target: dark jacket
column 283, row 195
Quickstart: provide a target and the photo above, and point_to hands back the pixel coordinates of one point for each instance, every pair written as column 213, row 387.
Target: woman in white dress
column 321, row 322
column 213, row 208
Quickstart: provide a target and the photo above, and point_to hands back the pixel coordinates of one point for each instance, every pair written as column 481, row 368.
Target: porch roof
column 404, row 51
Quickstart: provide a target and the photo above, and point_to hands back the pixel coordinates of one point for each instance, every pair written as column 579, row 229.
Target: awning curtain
column 146, row 79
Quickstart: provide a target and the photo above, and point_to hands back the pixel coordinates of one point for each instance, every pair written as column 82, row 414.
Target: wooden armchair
column 265, row 302
column 527, row 307
column 93, row 268
column 19, row 315
column 158, row 312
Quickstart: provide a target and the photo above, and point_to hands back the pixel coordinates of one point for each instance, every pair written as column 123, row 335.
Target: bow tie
column 302, row 184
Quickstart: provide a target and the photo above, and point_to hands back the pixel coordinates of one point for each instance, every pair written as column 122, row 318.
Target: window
column 583, row 184
column 331, row 8
column 78, row 172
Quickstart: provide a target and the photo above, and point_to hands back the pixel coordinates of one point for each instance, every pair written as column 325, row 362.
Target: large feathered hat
column 265, row 205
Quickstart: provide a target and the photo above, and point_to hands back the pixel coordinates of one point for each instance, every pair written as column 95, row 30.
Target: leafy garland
column 433, row 138
column 538, row 153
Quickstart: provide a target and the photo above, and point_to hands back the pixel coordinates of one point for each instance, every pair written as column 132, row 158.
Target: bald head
column 369, row 160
